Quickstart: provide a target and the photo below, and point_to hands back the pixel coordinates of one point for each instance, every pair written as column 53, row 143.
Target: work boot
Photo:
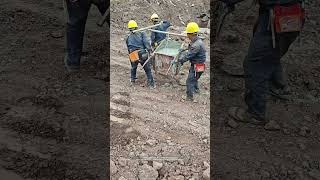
column 244, row 116
column 151, row 85
column 187, row 98
column 197, row 91
column 272, row 126
column 132, row 83
column 70, row 68
column 282, row 93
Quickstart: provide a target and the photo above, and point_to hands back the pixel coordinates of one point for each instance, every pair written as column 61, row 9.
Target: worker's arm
column 146, row 41
column 153, row 37
column 192, row 51
column 166, row 24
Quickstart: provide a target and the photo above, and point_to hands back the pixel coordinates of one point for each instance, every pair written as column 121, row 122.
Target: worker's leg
column 77, row 13
column 196, row 85
column 147, row 69
column 191, row 81
column 259, row 66
column 134, row 66
column 102, row 5
column 283, row 43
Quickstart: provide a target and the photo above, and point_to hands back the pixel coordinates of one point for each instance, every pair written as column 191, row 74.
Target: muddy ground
column 247, row 151
column 52, row 126
column 154, row 134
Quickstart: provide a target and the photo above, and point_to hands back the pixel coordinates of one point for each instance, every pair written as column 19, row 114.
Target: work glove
column 182, row 50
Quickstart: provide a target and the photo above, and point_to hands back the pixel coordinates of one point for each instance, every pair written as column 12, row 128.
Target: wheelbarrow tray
column 165, row 53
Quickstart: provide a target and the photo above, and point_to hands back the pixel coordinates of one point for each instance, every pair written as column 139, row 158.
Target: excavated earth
column 52, row 125
column 248, row 152
column 154, row 133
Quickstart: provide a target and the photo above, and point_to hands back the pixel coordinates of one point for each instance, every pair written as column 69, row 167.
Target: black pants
column 77, row 17
column 262, row 65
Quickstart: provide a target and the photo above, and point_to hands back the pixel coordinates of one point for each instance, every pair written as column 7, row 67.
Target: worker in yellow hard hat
column 139, row 49
column 157, row 37
column 196, row 56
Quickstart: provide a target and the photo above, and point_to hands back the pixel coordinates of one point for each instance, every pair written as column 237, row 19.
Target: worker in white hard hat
column 156, row 37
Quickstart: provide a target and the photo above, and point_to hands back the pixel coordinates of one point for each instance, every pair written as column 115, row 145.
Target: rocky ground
column 154, row 134
column 52, row 126
column 243, row 151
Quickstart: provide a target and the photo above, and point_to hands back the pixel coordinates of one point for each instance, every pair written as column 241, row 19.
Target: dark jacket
column 157, row 37
column 196, row 52
column 137, row 41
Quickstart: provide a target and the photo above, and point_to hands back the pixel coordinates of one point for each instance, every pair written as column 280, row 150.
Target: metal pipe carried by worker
column 146, row 28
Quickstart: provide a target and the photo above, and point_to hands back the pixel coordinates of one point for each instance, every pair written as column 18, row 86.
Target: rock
column 157, row 165
column 206, row 164
column 315, row 174
column 302, row 146
column 231, row 38
column 272, row 126
column 129, row 130
column 147, row 172
column 181, row 162
column 56, row 34
column 151, row 142
column 305, row 164
column 286, row 131
column 113, row 168
column 206, row 174
column 304, row 131
column 180, row 177
column 232, row 123
column 122, row 178
column 122, row 162
column 265, row 174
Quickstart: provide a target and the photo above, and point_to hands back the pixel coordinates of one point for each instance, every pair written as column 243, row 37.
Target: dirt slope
column 153, row 134
column 52, row 126
column 250, row 152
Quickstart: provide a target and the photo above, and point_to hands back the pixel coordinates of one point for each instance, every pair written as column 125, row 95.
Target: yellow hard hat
column 192, row 27
column 154, row 16
column 132, row 24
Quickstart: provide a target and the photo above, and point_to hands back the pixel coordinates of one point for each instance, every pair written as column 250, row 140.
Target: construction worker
column 270, row 42
column 157, row 37
column 197, row 57
column 139, row 49
column 76, row 14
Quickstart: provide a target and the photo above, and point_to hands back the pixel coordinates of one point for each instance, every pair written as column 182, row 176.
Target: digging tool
column 151, row 55
column 271, row 15
column 104, row 18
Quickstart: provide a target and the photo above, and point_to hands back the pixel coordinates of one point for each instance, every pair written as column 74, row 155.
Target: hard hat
column 192, row 27
column 132, row 24
column 154, row 16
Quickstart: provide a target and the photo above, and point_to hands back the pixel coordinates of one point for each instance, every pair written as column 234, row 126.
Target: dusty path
column 153, row 133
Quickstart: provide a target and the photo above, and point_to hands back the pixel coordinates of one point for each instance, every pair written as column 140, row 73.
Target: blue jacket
column 196, row 52
column 157, row 37
column 136, row 41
